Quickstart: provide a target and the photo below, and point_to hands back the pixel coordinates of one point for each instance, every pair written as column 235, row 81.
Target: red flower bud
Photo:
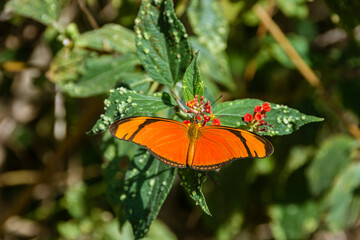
column 258, row 116
column 266, row 107
column 257, row 109
column 248, row 117
column 216, row 121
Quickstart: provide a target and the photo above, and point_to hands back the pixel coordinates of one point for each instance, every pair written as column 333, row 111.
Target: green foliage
column 192, row 83
column 293, row 8
column 309, row 185
column 96, row 223
column 285, row 120
column 146, row 185
column 44, row 11
column 88, row 67
column 126, row 103
column 108, row 38
column 214, row 66
column 158, row 230
column 161, row 41
column 332, row 157
column 343, row 200
column 208, row 22
column 99, row 74
column 294, row 221
column 74, row 201
column 192, row 182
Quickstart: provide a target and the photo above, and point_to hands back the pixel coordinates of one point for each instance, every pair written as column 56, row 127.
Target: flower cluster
column 200, row 111
column 256, row 121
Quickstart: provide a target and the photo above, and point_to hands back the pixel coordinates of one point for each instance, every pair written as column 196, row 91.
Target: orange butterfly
column 181, row 145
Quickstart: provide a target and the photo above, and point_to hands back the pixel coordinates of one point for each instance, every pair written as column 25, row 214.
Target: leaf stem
column 153, row 87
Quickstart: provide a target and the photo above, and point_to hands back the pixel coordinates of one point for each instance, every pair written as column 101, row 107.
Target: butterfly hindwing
column 166, row 139
column 217, row 146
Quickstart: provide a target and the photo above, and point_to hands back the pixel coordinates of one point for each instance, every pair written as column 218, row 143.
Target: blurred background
column 51, row 179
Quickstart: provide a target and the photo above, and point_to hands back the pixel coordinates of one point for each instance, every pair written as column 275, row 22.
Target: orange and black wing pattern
column 217, row 146
column 166, row 139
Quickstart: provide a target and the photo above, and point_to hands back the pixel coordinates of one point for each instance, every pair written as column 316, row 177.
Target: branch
column 88, row 15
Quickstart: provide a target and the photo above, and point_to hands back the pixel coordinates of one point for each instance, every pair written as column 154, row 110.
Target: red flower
column 206, row 118
column 216, row 121
column 248, row 117
column 258, row 116
column 257, row 109
column 186, row 122
column 266, row 107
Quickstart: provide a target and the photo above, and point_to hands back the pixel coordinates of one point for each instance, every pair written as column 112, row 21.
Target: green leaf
column 285, row 120
column 294, row 221
column 270, row 50
column 192, row 84
column 74, row 200
column 332, row 157
column 298, row 157
column 100, row 74
column 160, row 230
column 343, row 200
column 137, row 81
column 209, row 23
column 9, row 55
column 44, row 11
column 109, row 38
column 125, row 103
column 67, row 63
column 147, row 183
column 214, row 66
column 192, row 181
column 212, row 91
column 115, row 153
column 161, row 41
column 293, row 8
column 69, row 230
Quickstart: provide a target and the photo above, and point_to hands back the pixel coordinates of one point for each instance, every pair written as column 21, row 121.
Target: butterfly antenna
column 216, row 100
column 178, row 100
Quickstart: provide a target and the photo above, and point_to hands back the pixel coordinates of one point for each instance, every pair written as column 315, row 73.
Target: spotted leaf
column 285, row 120
column 126, row 103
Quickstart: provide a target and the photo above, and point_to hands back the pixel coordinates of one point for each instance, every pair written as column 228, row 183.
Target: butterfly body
column 198, row 147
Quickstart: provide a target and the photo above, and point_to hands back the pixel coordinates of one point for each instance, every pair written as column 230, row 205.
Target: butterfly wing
column 166, row 139
column 217, row 146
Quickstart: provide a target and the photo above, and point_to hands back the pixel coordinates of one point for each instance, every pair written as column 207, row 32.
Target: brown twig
column 251, row 66
column 88, row 15
column 303, row 68
column 29, row 177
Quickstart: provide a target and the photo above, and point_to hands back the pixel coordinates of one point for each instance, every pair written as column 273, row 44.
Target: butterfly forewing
column 166, row 139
